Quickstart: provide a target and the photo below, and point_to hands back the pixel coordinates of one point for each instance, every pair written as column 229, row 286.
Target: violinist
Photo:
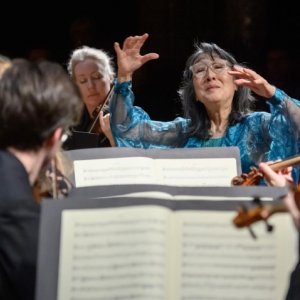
column 92, row 71
column 38, row 102
column 283, row 178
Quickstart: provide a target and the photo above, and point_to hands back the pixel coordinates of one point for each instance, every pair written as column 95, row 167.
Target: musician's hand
column 282, row 178
column 105, row 127
column 129, row 57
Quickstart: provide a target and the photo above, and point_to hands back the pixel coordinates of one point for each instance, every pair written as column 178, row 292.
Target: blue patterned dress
column 260, row 136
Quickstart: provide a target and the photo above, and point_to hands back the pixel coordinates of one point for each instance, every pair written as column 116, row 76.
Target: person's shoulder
column 248, row 117
column 256, row 117
column 18, row 208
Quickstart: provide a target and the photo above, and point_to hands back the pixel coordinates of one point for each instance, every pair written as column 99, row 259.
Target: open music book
column 178, row 167
column 128, row 248
column 146, row 170
column 151, row 252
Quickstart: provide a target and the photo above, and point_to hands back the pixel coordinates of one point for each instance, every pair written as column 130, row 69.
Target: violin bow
column 255, row 175
column 100, row 107
column 289, row 162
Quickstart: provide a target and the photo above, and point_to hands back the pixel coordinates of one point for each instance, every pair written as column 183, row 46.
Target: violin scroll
column 261, row 212
column 52, row 181
column 246, row 217
column 252, row 178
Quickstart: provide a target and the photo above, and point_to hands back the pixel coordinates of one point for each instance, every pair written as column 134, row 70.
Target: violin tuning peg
column 269, row 227
column 257, row 201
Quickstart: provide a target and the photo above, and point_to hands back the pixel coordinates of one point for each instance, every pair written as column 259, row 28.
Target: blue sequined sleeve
column 284, row 125
column 132, row 126
column 284, row 128
column 260, row 136
column 283, row 104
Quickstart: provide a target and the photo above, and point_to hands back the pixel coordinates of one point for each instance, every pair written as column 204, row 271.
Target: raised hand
column 129, row 58
column 252, row 80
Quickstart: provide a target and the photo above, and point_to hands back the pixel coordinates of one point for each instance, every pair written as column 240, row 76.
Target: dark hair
column 195, row 110
column 35, row 99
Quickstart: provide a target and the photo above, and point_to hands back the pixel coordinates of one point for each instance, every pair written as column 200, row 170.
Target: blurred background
column 263, row 34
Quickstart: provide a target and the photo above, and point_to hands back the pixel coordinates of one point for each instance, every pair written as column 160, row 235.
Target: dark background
column 263, row 34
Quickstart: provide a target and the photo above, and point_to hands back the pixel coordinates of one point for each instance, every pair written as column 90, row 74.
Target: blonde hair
column 102, row 58
column 4, row 64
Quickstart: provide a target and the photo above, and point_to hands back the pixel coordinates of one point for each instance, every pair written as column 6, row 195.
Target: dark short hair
column 195, row 110
column 35, row 99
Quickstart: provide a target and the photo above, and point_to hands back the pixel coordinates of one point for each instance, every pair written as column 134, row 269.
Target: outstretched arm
column 129, row 58
column 131, row 125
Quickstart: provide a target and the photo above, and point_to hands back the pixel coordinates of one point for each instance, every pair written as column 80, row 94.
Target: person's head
column 37, row 101
column 206, row 84
column 92, row 70
column 4, row 64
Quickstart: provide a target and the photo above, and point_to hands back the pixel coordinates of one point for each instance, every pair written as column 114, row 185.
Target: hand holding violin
column 104, row 121
column 283, row 178
column 255, row 175
column 100, row 123
column 276, row 174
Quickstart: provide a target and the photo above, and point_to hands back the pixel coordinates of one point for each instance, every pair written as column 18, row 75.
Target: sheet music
column 113, row 254
column 219, row 261
column 144, row 170
column 150, row 252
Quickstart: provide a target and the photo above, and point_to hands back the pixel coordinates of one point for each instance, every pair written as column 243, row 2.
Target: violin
column 52, row 183
column 254, row 176
column 262, row 212
column 95, row 123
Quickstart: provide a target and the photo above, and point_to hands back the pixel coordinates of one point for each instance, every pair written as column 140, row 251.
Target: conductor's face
column 214, row 87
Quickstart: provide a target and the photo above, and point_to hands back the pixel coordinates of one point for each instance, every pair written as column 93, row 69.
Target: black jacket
column 19, row 225
column 83, row 126
column 294, row 288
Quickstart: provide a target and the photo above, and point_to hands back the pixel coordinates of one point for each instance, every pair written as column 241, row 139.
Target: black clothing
column 19, row 225
column 84, row 126
column 85, row 122
column 294, row 288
